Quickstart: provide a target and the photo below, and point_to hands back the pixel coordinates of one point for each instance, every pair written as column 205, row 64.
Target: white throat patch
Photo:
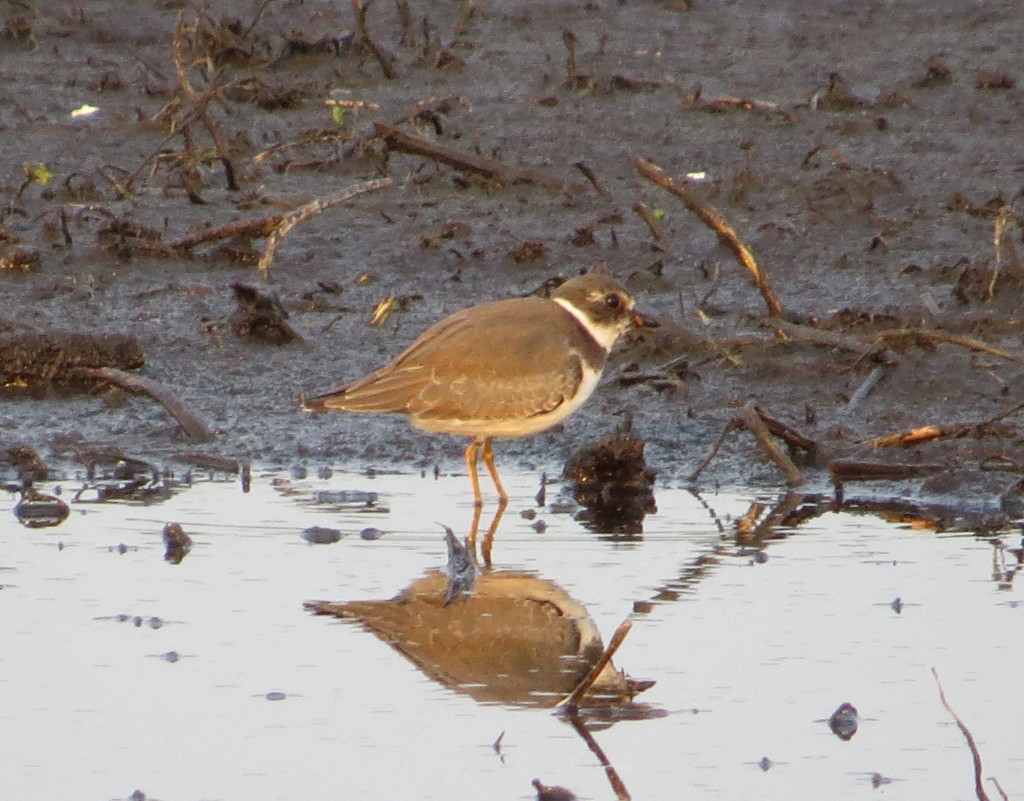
column 603, row 335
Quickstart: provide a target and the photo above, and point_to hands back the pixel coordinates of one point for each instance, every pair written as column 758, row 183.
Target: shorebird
column 509, row 368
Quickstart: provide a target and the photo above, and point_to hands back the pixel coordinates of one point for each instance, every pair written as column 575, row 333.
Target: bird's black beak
column 641, row 320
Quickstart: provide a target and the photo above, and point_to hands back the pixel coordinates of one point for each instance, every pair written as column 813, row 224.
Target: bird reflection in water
column 515, row 638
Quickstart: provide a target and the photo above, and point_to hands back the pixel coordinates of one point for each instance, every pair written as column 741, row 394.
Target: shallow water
column 752, row 649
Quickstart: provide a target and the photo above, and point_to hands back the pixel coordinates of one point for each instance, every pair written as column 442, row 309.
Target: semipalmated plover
column 504, row 369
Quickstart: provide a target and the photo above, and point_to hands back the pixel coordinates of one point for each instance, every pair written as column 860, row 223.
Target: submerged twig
column 979, row 789
column 713, row 218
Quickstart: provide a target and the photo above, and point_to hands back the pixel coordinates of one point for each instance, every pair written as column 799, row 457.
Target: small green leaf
column 338, row 114
column 658, row 215
column 39, row 173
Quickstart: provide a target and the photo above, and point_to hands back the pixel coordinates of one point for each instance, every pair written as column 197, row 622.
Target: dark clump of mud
column 372, row 173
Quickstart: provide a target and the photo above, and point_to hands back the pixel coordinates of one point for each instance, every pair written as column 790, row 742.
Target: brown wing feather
column 478, row 366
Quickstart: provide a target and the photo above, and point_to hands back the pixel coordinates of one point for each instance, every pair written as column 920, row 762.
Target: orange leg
column 471, row 454
column 489, row 461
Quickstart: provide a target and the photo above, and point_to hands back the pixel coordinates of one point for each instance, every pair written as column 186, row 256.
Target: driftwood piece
column 27, row 359
column 404, row 142
column 851, row 470
column 714, row 219
column 193, row 427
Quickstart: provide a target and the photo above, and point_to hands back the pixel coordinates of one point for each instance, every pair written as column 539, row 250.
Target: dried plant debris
column 177, row 543
column 34, row 360
column 261, row 317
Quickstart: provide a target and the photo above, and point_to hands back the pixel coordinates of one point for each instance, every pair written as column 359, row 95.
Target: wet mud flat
column 390, row 167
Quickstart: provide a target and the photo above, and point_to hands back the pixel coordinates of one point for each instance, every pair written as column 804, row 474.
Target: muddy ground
column 869, row 153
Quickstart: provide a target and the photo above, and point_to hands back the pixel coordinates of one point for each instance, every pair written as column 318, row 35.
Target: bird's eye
column 613, row 301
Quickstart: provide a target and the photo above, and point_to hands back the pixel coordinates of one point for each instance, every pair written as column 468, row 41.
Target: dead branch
column 311, row 209
column 712, row 218
column 979, row 789
column 403, row 142
column 787, row 433
column 748, row 418
column 193, row 427
column 240, row 229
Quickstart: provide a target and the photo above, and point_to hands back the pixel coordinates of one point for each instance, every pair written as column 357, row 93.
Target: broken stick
column 404, row 142
column 749, row 418
column 311, row 209
column 193, row 427
column 713, row 218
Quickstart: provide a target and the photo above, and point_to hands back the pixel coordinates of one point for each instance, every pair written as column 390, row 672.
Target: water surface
column 122, row 671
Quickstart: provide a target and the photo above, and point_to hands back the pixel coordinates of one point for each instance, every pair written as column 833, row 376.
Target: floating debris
column 36, row 510
column 552, row 793
column 844, row 722
column 177, row 543
column 371, row 533
column 345, row 497
column 320, row 535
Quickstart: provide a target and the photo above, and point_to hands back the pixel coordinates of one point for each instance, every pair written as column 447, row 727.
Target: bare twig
column 362, row 38
column 845, row 470
column 652, row 225
column 193, row 427
column 951, row 339
column 869, row 383
column 731, row 426
column 571, row 701
column 712, row 218
column 402, row 141
column 311, row 209
column 590, row 176
column 979, row 789
column 749, row 418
